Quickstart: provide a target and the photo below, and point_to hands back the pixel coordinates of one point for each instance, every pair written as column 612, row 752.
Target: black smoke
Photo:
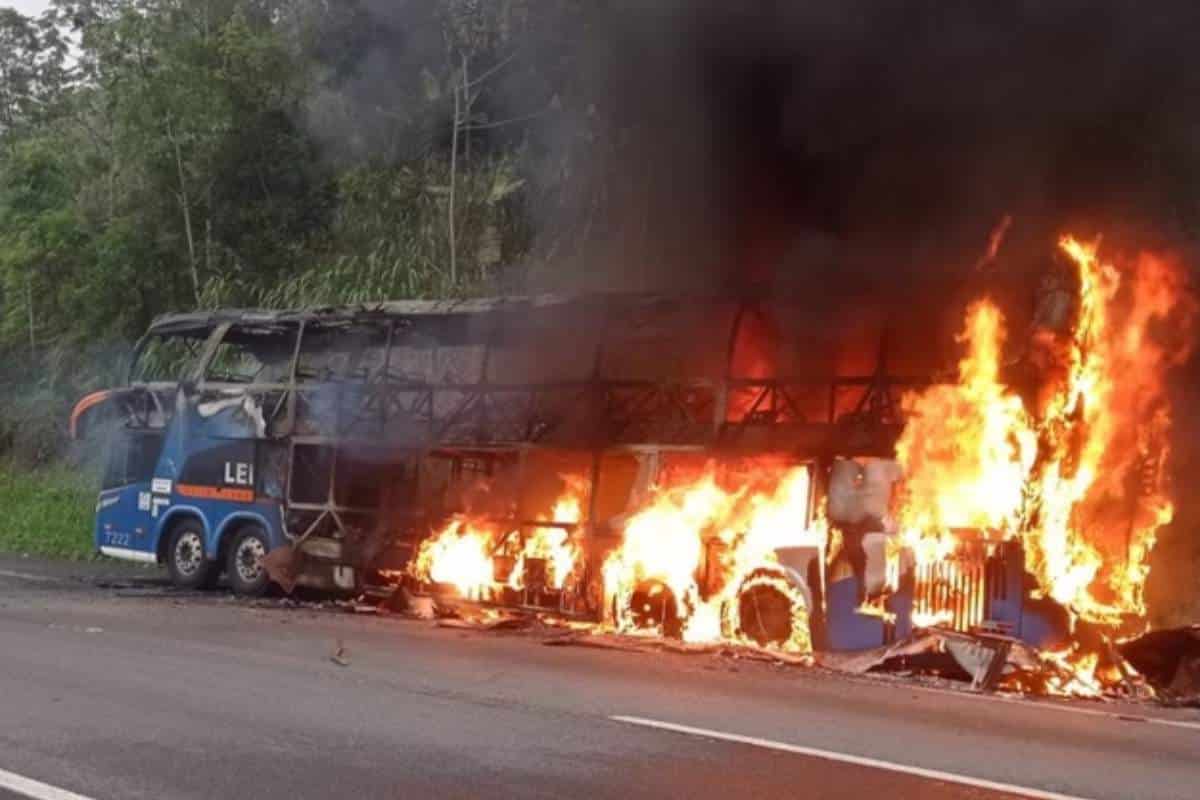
column 858, row 152
column 704, row 143
column 885, row 140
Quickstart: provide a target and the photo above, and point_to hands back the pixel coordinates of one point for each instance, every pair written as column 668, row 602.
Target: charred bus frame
column 342, row 405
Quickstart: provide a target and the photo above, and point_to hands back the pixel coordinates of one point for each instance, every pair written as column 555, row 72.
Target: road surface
column 127, row 691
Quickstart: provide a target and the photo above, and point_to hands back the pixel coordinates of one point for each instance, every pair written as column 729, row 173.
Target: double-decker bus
column 321, row 447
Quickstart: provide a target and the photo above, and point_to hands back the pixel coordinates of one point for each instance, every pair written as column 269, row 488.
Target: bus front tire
column 187, row 563
column 243, row 562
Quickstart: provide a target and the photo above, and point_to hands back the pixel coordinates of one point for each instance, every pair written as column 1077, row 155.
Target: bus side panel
column 219, row 483
column 220, row 518
column 123, row 528
column 131, row 498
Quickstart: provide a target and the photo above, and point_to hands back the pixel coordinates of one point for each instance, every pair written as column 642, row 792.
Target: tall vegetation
column 174, row 154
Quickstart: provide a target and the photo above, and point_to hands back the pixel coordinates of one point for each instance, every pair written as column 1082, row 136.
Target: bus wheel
column 243, row 564
column 186, row 562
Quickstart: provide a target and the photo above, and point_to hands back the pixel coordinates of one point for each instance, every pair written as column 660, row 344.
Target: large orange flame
column 1071, row 461
column 1080, row 477
column 967, row 449
column 1099, row 496
column 732, row 534
column 459, row 554
column 464, row 551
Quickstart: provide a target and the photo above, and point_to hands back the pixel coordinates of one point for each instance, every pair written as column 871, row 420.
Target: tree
column 32, row 69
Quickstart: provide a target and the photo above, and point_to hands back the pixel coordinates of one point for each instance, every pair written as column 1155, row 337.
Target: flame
column 1092, row 534
column 464, row 552
column 930, row 619
column 459, row 554
column 1071, row 673
column 552, row 545
column 777, row 583
column 1056, row 471
column 1070, row 460
column 967, row 448
column 700, row 548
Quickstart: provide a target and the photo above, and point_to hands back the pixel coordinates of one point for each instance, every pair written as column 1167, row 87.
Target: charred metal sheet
column 983, row 659
column 281, row 565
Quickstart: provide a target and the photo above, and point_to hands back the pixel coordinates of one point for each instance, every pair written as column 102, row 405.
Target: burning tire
column 771, row 610
column 652, row 607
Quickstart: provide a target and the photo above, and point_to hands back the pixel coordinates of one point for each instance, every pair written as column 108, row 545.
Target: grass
column 47, row 512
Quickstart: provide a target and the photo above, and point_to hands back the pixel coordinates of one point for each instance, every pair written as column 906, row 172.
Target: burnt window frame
column 195, row 342
column 383, row 331
column 220, row 336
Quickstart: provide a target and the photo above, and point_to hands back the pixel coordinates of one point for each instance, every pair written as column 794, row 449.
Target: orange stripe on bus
column 215, row 493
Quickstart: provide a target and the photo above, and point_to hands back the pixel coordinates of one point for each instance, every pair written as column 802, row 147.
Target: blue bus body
column 207, row 479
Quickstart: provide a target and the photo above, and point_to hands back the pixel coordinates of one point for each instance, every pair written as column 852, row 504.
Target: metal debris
column 982, row 658
column 499, row 624
column 654, row 644
column 280, row 564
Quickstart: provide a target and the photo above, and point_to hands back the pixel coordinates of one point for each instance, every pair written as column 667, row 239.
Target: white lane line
column 845, row 758
column 28, row 787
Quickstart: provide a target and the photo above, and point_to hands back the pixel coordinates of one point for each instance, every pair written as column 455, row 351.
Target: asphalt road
column 112, row 692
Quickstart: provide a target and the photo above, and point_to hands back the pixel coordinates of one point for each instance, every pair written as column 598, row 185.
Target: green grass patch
column 47, row 512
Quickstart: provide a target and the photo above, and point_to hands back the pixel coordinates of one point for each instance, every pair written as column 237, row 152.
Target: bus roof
column 198, row 322
column 842, row 337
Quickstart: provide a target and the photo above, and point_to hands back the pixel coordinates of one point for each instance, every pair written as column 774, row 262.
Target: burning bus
column 702, row 468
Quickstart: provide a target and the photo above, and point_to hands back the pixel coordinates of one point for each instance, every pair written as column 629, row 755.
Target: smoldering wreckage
column 718, row 473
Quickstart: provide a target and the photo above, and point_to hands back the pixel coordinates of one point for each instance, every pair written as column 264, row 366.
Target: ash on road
column 116, row 694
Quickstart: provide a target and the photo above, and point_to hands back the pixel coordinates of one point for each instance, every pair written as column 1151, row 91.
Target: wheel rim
column 248, row 559
column 189, row 553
